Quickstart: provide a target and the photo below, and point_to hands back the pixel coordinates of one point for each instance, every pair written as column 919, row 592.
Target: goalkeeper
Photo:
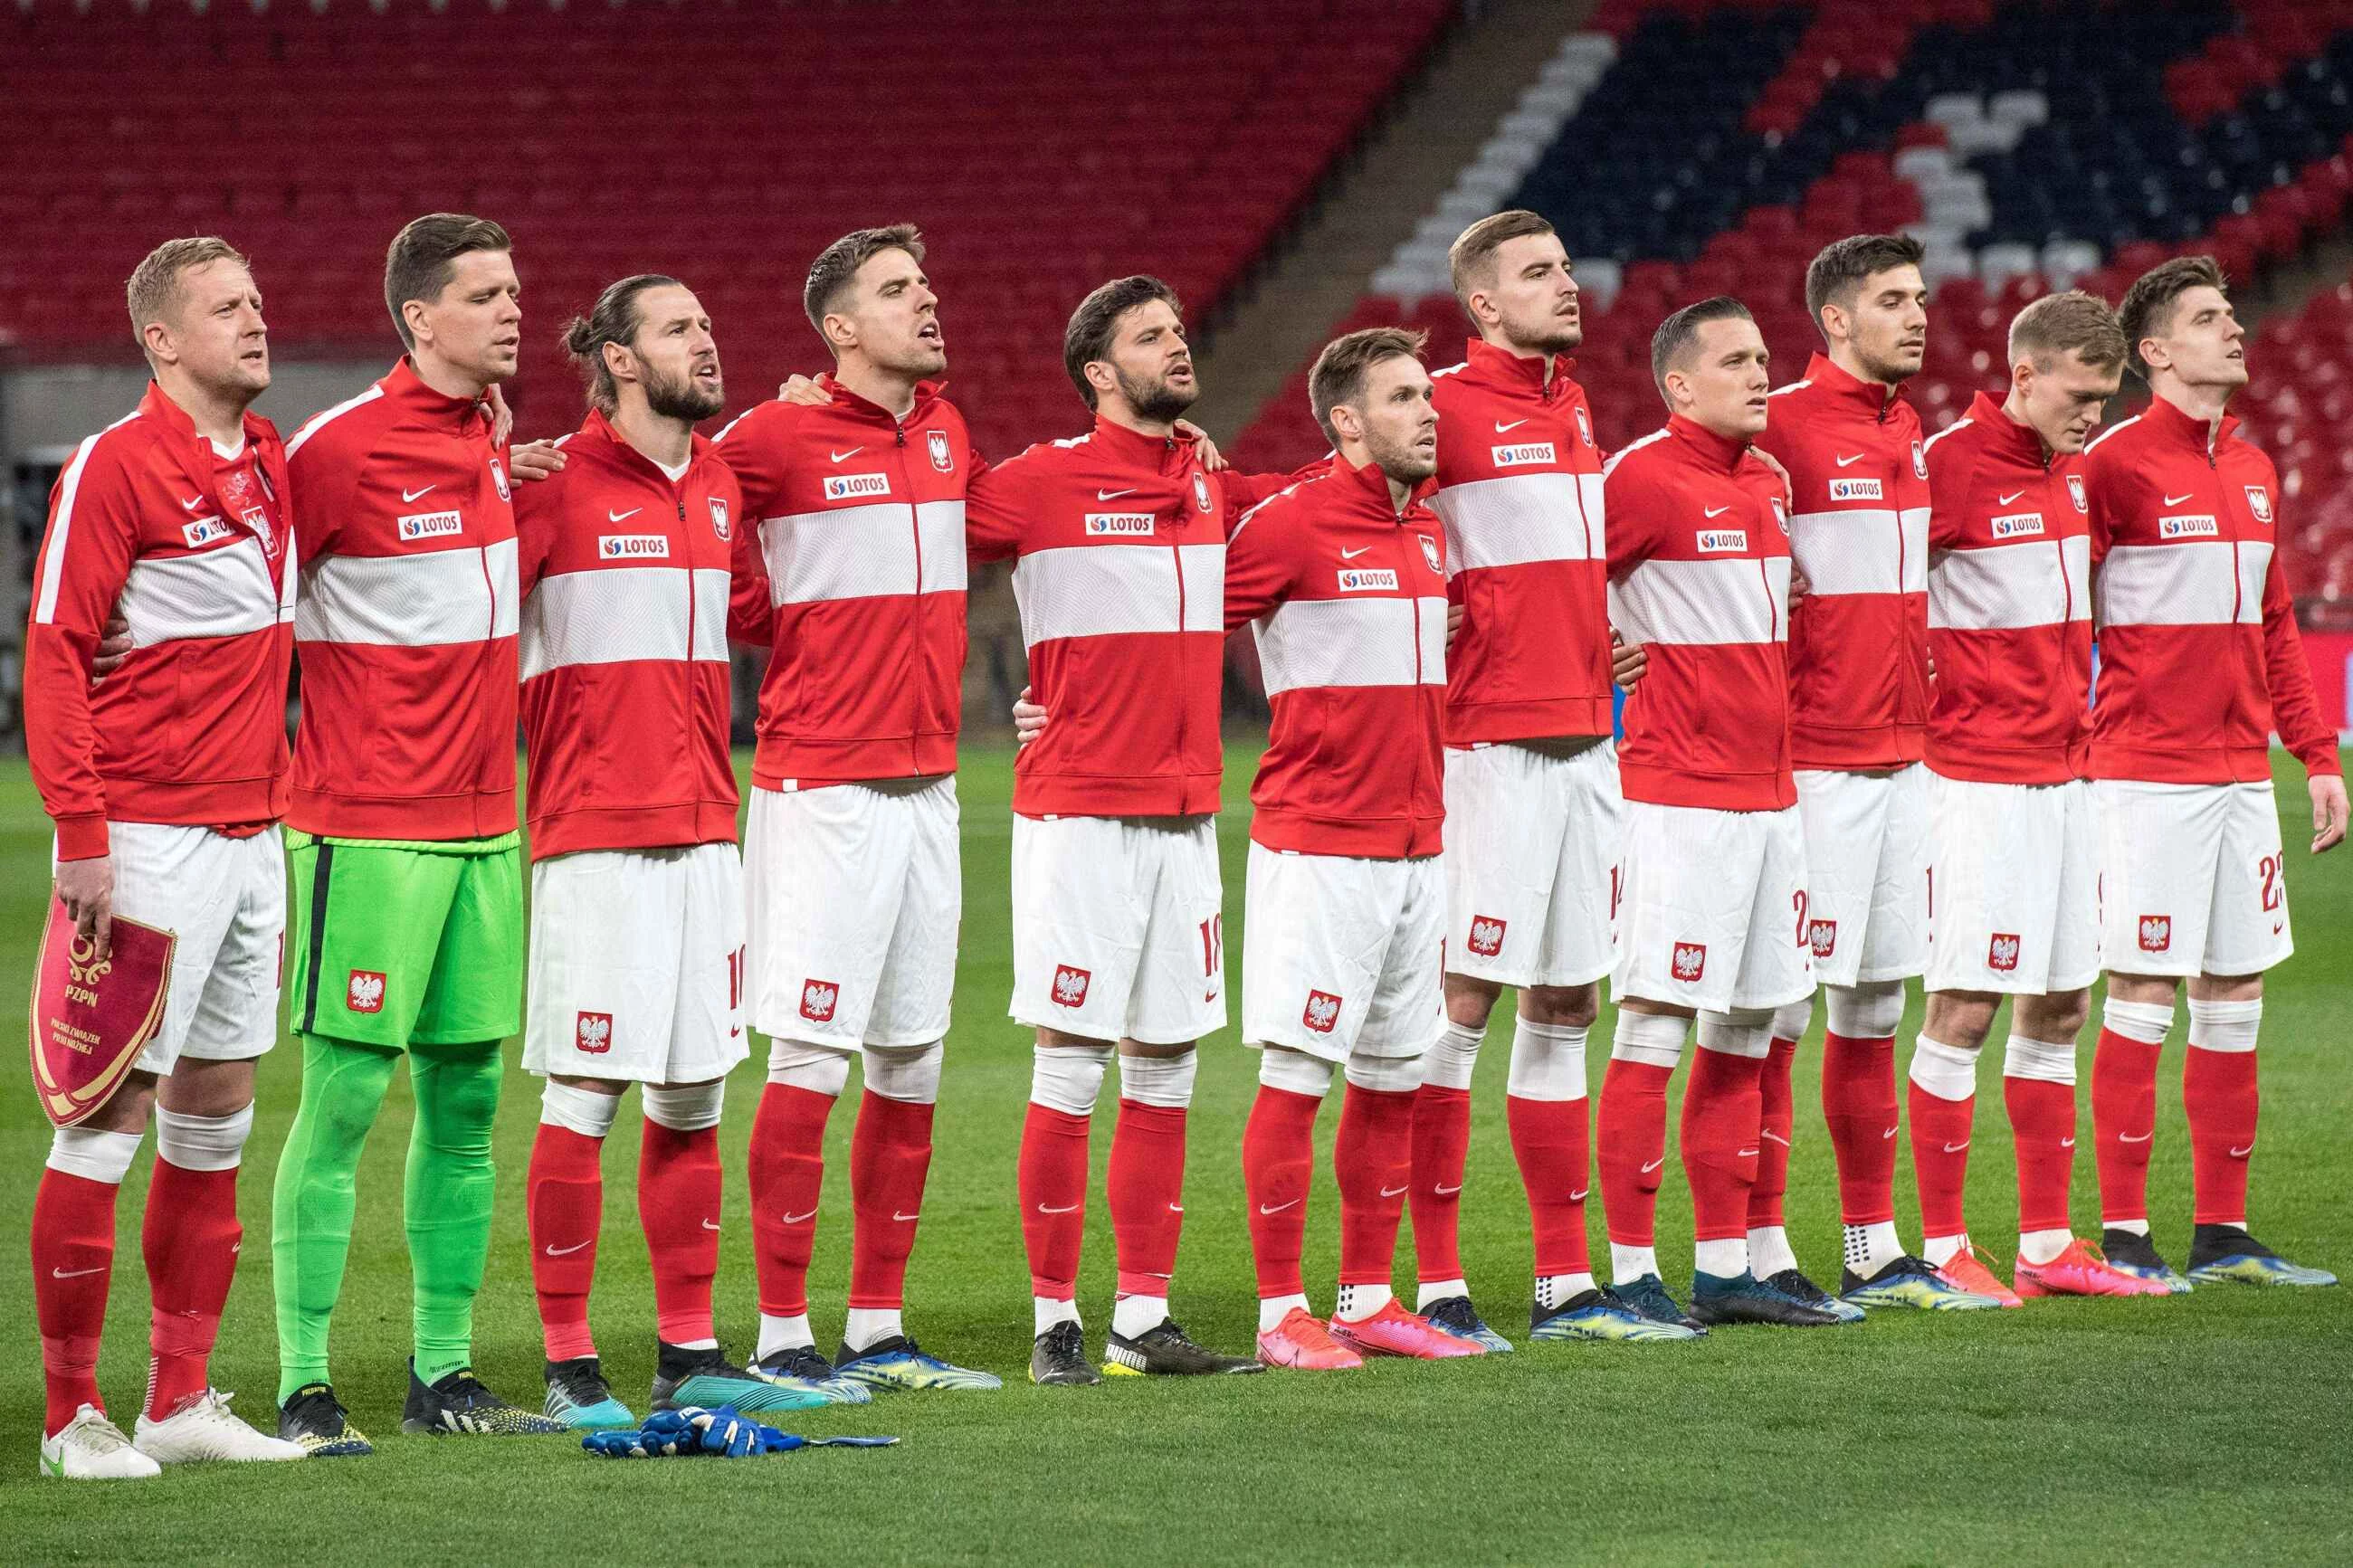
column 408, row 928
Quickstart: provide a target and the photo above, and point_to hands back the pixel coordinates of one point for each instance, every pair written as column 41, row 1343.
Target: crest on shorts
column 1487, row 935
column 2259, row 501
column 942, row 458
column 365, row 991
column 593, row 1033
column 718, row 524
column 1071, row 985
column 2075, row 492
column 1201, row 494
column 2156, row 933
column 1823, row 937
column 1690, row 959
column 2002, row 953
column 499, row 478
column 817, row 997
column 1322, row 1012
column 1584, row 427
column 1919, row 461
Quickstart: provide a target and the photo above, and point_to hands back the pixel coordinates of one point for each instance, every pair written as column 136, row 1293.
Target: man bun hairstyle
column 1836, row 276
column 1679, row 333
column 836, row 267
column 1339, row 373
column 423, row 258
column 614, row 319
column 1471, row 259
column 153, row 289
column 2068, row 322
column 1095, row 323
column 2148, row 309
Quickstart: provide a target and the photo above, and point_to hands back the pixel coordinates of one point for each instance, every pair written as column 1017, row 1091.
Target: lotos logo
column 1071, row 985
column 204, row 530
column 2259, row 501
column 1823, row 937
column 1119, row 525
column 364, row 994
column 1690, row 959
column 1520, row 456
column 1322, row 1012
column 1201, row 495
column 430, row 525
column 1487, row 935
column 2075, row 492
column 2002, row 953
column 593, row 1033
column 942, row 458
column 2201, row 527
column 1856, row 489
column 718, row 523
column 1722, row 540
column 850, row 487
column 2155, row 933
column 2018, row 525
column 1367, row 579
column 633, row 547
column 816, row 999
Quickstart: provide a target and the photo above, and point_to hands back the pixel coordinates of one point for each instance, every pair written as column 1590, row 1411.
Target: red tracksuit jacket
column 2199, row 656
column 624, row 648
column 194, row 549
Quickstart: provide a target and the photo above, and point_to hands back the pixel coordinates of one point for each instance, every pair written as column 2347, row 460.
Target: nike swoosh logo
column 617, row 516
column 904, row 1218
column 75, row 1273
column 192, row 503
column 1278, row 1208
column 1654, row 1164
column 1578, row 1197
column 1715, row 511
column 1500, row 427
column 837, row 457
column 2066, row 1142
column 1443, row 1191
column 2010, row 498
column 1111, row 494
column 1955, row 1148
column 710, row 1224
column 1392, row 1192
column 797, row 1218
column 1776, row 1138
column 2177, row 500
column 1066, row 1209
column 1352, row 554
column 2128, row 1138
column 1858, row 458
column 1746, row 1155
column 1175, row 1208
column 1889, row 1134
column 2237, row 1153
column 554, row 1251
column 412, row 495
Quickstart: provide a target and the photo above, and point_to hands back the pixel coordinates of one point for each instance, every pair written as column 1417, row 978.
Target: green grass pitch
column 2217, row 1426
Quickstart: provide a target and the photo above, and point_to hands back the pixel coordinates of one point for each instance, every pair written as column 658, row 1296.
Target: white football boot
column 92, row 1448
column 202, row 1428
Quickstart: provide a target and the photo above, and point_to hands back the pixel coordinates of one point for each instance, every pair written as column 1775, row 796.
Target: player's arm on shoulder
column 996, row 502
column 1262, row 560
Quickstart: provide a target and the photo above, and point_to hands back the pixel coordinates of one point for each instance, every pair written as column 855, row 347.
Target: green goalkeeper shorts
column 397, row 942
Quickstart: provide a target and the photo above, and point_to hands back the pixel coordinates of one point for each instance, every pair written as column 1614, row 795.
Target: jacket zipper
column 915, row 603
column 2238, row 578
column 1177, row 551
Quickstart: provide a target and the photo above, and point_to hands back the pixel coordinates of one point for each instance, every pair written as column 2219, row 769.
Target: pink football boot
column 2082, row 1271
column 1969, row 1270
column 1300, row 1341
column 1393, row 1331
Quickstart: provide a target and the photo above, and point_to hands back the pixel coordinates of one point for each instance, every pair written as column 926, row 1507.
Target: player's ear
column 619, row 363
column 414, row 312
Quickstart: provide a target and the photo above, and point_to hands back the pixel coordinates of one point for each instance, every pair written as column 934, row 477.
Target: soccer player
column 637, row 946
column 1118, row 538
column 2200, row 661
column 167, row 782
column 1532, row 799
column 1859, row 710
column 2010, row 840
column 1712, row 876
column 407, row 933
column 851, row 565
column 1342, row 579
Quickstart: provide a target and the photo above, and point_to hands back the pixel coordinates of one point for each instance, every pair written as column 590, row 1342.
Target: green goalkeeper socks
column 448, row 1196
column 312, row 1204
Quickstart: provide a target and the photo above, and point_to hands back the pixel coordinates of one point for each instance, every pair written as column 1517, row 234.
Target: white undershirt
column 675, row 474
column 232, row 453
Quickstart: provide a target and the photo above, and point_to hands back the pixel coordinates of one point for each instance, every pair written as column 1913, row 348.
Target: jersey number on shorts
column 1213, row 945
column 2275, row 892
column 1805, row 931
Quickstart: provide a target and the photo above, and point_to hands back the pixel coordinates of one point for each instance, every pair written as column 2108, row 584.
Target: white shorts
column 1712, row 907
column 2013, row 882
column 225, row 900
column 637, row 964
column 1531, row 839
column 2191, row 879
column 853, row 899
column 1866, row 873
column 1118, row 932
column 1343, row 956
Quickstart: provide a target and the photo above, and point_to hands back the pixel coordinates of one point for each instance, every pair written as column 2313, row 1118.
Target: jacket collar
column 405, row 386
column 1371, row 488
column 1871, row 396
column 926, row 394
column 1719, row 453
column 2180, row 428
column 156, row 406
column 1135, row 447
column 1505, row 368
column 598, row 432
column 2007, row 436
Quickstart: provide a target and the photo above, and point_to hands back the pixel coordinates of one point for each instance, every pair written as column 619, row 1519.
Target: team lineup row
column 1859, row 664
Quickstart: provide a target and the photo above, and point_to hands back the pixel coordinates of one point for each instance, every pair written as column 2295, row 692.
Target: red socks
column 1372, row 1158
column 73, row 1262
column 1548, row 1140
column 190, row 1239
column 1777, row 1124
column 1146, row 1187
column 1278, row 1162
column 2042, row 1126
column 564, row 1205
column 889, row 1155
column 2123, row 1123
column 1442, row 1145
column 1722, row 1107
column 1633, row 1136
column 678, row 1204
column 1053, row 1184
column 1940, row 1157
column 787, row 1171
column 2217, row 1091
column 1859, row 1103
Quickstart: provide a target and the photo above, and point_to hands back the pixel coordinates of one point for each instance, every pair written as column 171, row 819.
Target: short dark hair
column 1471, row 259
column 2148, row 310
column 1339, row 373
column 1095, row 323
column 153, row 288
column 423, row 258
column 2071, row 321
column 1835, row 276
column 836, row 267
column 1678, row 333
column 614, row 319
